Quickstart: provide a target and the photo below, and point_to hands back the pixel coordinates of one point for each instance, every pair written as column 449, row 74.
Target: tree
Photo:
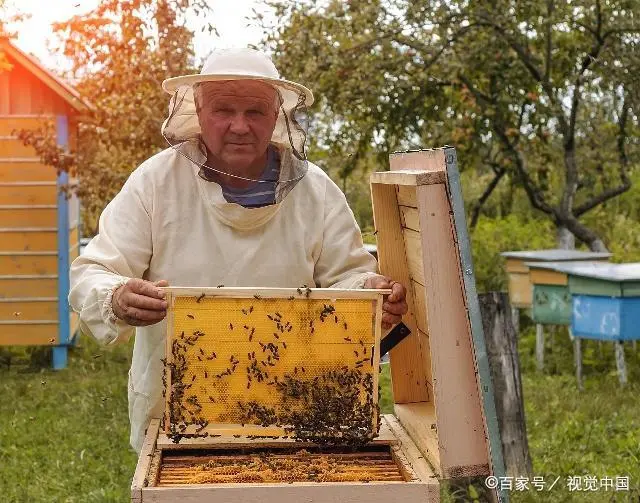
column 541, row 91
column 121, row 52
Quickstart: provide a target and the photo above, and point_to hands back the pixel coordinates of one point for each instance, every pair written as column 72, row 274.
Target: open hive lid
column 272, row 363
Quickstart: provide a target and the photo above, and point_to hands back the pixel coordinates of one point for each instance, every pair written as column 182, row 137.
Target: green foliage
column 493, row 236
column 540, row 92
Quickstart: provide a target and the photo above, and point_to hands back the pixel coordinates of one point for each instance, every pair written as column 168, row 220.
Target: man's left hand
column 395, row 304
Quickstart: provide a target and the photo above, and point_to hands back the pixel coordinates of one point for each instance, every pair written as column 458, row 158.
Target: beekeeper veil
column 182, row 130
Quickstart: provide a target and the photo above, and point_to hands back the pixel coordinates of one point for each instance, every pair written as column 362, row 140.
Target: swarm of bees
column 333, row 407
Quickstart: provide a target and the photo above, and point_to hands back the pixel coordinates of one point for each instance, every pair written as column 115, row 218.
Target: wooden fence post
column 502, row 349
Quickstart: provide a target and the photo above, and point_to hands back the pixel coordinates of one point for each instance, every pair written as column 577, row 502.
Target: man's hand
column 395, row 304
column 139, row 302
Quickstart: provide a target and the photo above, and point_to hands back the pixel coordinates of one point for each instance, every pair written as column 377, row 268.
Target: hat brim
column 170, row 85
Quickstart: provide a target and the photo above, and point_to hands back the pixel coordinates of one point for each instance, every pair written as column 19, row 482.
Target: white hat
column 239, row 64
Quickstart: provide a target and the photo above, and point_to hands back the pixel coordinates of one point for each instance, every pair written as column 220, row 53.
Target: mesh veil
column 181, row 130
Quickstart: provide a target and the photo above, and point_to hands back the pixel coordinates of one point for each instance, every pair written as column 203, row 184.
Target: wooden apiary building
column 39, row 234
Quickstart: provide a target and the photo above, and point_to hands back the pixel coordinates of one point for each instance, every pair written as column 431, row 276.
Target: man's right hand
column 139, row 302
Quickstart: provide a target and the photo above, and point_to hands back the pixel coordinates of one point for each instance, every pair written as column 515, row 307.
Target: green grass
column 64, row 436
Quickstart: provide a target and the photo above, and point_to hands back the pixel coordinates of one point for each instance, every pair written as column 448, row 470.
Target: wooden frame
column 420, row 484
column 267, row 293
column 441, row 382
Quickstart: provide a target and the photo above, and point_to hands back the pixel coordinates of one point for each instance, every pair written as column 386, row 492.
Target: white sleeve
column 121, row 250
column 343, row 261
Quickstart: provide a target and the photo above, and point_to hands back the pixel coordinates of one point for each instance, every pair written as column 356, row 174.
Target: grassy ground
column 64, row 435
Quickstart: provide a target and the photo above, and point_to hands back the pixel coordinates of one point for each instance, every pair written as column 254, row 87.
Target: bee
column 284, row 345
column 295, row 370
column 201, row 351
column 276, row 335
column 200, row 298
column 356, row 353
column 237, row 436
column 219, row 286
column 256, row 296
column 244, row 311
column 200, row 359
column 250, row 309
column 193, row 378
column 347, row 339
column 206, row 374
column 335, row 318
column 299, row 291
column 345, row 325
column 290, row 298
column 302, row 368
column 230, row 326
column 191, row 316
column 96, row 356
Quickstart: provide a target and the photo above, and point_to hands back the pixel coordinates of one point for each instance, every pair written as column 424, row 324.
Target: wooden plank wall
column 29, row 214
column 28, row 236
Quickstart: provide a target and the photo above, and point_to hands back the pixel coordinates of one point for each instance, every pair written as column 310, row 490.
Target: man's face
column 237, row 119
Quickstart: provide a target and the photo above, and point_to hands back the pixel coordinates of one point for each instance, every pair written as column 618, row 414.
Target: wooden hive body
column 441, row 381
column 517, row 267
column 166, row 469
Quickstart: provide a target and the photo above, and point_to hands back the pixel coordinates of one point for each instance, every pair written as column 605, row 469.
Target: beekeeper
column 233, row 201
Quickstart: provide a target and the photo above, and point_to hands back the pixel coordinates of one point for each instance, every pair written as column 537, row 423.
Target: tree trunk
column 565, row 239
column 502, row 349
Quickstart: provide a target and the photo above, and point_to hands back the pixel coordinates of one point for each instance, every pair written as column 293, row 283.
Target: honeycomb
column 273, row 467
column 303, row 364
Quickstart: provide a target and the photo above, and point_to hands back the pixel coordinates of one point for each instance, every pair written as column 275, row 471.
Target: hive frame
column 331, row 294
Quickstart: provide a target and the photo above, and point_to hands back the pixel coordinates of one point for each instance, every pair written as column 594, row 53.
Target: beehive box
column 253, row 376
column 551, row 300
column 520, row 285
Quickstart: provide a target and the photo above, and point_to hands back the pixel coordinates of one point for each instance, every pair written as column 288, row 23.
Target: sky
column 35, row 34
